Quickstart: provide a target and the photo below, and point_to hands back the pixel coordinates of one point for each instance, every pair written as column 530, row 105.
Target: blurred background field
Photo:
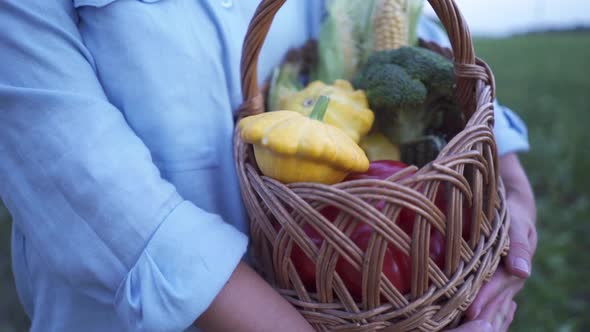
column 544, row 77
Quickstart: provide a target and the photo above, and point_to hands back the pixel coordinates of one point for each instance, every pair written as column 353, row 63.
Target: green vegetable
column 422, row 151
column 405, row 87
column 344, row 41
column 285, row 80
column 415, row 11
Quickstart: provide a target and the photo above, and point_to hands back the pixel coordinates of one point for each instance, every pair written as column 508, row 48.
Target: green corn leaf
column 345, row 39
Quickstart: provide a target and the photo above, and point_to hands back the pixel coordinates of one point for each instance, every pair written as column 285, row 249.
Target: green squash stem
column 320, row 108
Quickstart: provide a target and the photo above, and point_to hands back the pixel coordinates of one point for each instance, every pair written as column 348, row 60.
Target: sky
column 501, row 17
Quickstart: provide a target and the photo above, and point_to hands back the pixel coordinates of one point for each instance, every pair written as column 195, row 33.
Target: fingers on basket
column 505, row 314
column 495, row 309
column 520, row 254
column 533, row 238
column 474, row 326
column 505, row 325
column 488, row 293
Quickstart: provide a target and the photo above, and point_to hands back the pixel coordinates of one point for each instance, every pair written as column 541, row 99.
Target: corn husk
column 345, row 39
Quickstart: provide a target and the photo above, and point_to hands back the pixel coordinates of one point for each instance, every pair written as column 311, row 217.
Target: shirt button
column 227, row 3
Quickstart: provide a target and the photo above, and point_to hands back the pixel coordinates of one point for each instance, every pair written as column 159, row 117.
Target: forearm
column 520, row 201
column 518, row 188
column 248, row 303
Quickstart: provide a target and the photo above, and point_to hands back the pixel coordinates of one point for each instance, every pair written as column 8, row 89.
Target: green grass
column 545, row 78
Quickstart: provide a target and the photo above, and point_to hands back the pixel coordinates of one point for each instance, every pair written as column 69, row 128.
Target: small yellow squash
column 291, row 147
column 348, row 109
column 379, row 147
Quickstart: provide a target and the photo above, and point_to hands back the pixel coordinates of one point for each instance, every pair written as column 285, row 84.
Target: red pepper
column 379, row 170
column 397, row 265
column 304, row 266
column 383, row 169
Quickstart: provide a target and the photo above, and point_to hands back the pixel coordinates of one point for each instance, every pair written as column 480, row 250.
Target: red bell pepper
column 397, row 265
column 304, row 266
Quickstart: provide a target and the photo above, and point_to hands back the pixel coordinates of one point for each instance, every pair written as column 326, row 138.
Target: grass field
column 545, row 78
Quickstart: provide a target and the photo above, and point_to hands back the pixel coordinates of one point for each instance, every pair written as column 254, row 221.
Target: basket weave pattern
column 467, row 170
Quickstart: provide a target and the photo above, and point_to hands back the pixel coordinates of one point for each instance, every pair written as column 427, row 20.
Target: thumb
column 474, row 326
column 518, row 261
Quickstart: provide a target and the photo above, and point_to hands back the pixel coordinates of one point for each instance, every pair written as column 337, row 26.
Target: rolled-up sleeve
column 83, row 189
column 510, row 131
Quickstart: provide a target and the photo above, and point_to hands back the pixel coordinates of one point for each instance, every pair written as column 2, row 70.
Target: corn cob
column 345, row 39
column 391, row 25
column 344, row 24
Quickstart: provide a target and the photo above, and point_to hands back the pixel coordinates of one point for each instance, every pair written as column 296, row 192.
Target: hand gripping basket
column 467, row 169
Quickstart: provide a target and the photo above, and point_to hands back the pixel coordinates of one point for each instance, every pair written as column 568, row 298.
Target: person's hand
column 497, row 303
column 522, row 211
column 494, row 303
column 498, row 313
column 474, row 326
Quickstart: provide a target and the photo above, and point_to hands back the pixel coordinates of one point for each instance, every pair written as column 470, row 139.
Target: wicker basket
column 468, row 170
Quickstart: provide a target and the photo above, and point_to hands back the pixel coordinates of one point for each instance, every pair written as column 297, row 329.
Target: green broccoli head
column 375, row 60
column 400, row 85
column 431, row 68
column 389, row 86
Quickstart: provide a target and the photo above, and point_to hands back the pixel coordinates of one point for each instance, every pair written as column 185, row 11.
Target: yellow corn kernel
column 391, row 23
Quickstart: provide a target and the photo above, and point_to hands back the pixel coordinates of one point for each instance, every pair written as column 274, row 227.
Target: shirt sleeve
column 83, row 189
column 509, row 129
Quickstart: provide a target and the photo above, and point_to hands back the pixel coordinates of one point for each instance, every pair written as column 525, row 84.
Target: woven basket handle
column 466, row 70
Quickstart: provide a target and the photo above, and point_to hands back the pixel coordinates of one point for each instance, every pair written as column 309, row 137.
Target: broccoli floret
column 431, row 68
column 391, row 86
column 401, row 86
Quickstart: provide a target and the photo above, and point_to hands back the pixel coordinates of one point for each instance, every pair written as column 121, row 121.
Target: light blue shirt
column 116, row 123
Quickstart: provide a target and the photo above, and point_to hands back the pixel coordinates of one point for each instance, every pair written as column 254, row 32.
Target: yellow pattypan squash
column 291, row 147
column 379, row 147
column 348, row 109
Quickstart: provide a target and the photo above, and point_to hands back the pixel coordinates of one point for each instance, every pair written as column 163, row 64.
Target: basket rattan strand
column 468, row 170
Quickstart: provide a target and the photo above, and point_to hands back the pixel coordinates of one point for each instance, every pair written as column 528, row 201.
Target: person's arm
column 248, row 303
column 83, row 189
column 523, row 212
